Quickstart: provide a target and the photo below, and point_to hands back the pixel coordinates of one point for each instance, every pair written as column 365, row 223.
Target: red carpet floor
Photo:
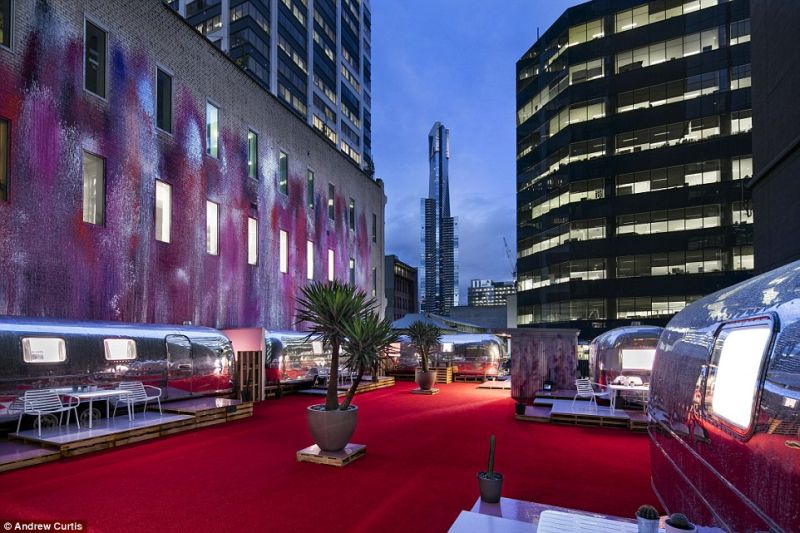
column 418, row 474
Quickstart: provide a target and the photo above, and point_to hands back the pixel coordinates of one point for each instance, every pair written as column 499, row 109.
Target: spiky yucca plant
column 366, row 338
column 425, row 337
column 327, row 309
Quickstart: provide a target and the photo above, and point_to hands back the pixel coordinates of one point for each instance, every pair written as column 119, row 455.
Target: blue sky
column 452, row 61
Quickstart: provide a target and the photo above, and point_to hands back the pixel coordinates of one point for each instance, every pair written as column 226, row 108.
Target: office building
column 401, row 288
column 487, row 293
column 776, row 146
column 633, row 153
column 315, row 56
column 149, row 179
column 438, row 285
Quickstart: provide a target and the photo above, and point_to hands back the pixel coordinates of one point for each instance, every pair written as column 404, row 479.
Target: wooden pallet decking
column 210, row 411
column 313, row 454
column 444, row 374
column 583, row 414
column 535, row 413
column 428, row 392
column 18, row 454
column 364, row 386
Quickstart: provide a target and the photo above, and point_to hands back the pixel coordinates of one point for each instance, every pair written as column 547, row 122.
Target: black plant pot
column 490, row 488
column 519, row 408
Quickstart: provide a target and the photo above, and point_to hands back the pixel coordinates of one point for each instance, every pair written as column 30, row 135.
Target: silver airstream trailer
column 37, row 353
column 725, row 407
column 624, row 353
column 293, row 356
column 470, row 354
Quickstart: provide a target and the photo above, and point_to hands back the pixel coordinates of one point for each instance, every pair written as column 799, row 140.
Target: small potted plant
column 490, row 482
column 519, row 408
column 647, row 519
column 425, row 337
column 678, row 523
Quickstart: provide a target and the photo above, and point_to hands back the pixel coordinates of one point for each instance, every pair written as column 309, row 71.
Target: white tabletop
column 561, row 522
column 639, row 388
column 86, row 395
column 469, row 522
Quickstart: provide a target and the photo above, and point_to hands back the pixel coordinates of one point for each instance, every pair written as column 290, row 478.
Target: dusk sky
column 452, row 61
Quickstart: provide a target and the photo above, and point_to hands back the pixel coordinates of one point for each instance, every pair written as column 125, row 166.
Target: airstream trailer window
column 638, row 358
column 119, row 349
column 734, row 372
column 43, row 350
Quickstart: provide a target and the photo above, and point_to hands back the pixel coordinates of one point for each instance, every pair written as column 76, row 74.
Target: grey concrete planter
column 425, row 380
column 331, row 430
column 490, row 488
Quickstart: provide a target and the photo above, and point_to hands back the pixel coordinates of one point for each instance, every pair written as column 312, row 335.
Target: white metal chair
column 46, row 402
column 586, row 390
column 137, row 393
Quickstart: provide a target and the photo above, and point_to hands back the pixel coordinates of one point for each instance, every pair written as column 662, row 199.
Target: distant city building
column 439, row 237
column 776, row 147
column 484, row 316
column 633, row 153
column 485, row 292
column 401, row 288
column 314, row 56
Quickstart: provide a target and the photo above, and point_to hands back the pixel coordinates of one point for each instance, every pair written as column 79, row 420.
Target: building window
column 331, row 260
column 310, row 190
column 93, row 189
column 740, row 76
column 163, row 211
column 374, row 227
column 740, row 32
column 735, row 371
column 283, row 173
column 331, row 211
column 374, row 281
column 742, row 168
column 212, row 130
column 4, row 150
column 252, row 241
column 283, row 256
column 741, row 121
column 309, row 260
column 95, row 42
column 252, row 154
column 212, row 228
column 6, row 19
column 743, row 258
column 163, row 101
column 352, row 270
column 351, row 215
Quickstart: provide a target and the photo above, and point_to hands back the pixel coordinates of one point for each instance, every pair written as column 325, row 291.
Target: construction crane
column 511, row 259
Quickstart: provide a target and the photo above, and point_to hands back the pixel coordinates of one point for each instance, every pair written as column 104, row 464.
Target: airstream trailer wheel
column 96, row 415
column 48, row 422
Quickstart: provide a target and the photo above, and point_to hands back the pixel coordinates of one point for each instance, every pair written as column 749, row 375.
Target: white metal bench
column 138, row 394
column 46, row 402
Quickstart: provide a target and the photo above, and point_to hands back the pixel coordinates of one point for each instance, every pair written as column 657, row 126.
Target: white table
column 103, row 394
column 644, row 389
column 561, row 522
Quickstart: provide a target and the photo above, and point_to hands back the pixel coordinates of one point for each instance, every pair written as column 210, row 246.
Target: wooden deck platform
column 498, row 384
column 428, row 392
column 18, row 454
column 313, row 454
column 210, row 411
column 584, row 414
column 364, row 386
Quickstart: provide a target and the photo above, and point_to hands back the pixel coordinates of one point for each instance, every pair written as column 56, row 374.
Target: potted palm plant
column 330, row 311
column 425, row 337
column 366, row 340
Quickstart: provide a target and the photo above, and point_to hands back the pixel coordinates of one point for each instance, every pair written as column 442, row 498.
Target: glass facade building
column 488, row 293
column 314, row 55
column 438, row 283
column 633, row 119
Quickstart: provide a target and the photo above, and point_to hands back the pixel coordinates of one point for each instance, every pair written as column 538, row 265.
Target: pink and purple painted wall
column 56, row 265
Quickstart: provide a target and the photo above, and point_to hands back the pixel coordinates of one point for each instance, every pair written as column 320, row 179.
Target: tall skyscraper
column 314, row 55
column 633, row 149
column 439, row 236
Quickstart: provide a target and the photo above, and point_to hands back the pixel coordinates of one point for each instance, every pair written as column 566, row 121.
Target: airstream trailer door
column 180, row 366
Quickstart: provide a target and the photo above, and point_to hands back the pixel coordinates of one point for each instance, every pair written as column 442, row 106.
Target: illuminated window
column 212, row 228
column 94, row 62
column 283, row 173
column 374, row 281
column 330, row 264
column 352, row 269
column 309, row 260
column 163, row 211
column 252, row 241
column 93, row 189
column 252, row 154
column 283, row 257
column 310, row 190
column 638, row 358
column 6, row 19
column 4, row 146
column 43, row 350
column 212, row 130
column 734, row 372
column 119, row 349
column 163, row 101
column 740, row 32
column 331, row 212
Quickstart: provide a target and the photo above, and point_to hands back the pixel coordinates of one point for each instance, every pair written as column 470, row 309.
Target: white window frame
column 309, row 260
column 130, row 343
column 169, row 73
column 91, row 19
column 331, row 264
column 100, row 192
column 252, row 241
column 168, row 218
column 283, row 251
column 255, row 132
column 212, row 239
column 26, row 350
column 212, row 103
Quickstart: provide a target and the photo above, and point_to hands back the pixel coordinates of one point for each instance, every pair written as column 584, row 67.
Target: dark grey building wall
column 776, row 118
